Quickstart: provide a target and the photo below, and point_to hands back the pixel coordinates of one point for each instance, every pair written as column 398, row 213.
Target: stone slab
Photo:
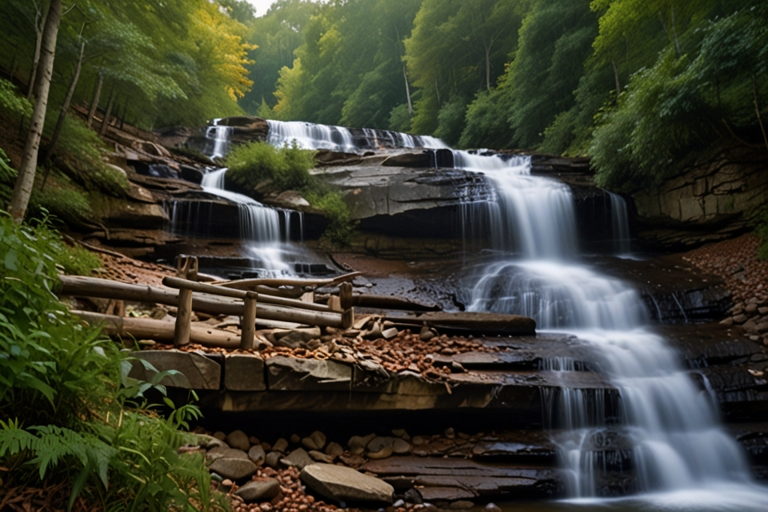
column 195, row 371
column 244, row 373
column 291, row 374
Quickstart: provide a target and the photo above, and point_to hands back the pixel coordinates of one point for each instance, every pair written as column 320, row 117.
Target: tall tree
column 26, row 179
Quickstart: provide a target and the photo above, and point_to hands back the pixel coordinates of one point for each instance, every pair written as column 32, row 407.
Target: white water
column 339, row 138
column 678, row 446
column 259, row 224
column 221, row 136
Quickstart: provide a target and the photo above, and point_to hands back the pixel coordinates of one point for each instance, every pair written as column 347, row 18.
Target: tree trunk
column 616, row 77
column 23, row 188
column 105, row 121
column 40, row 21
column 488, row 63
column 96, row 98
column 408, row 92
column 757, row 111
column 64, row 109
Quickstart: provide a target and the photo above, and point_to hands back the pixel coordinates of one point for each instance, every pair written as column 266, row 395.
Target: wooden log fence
column 212, row 299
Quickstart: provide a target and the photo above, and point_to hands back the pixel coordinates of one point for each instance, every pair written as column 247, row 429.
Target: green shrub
column 340, row 228
column 66, row 399
column 288, row 167
column 11, row 102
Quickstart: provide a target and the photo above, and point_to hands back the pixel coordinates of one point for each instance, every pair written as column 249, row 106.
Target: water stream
column 676, row 443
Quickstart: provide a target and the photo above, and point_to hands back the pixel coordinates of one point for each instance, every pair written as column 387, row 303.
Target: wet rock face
column 710, row 202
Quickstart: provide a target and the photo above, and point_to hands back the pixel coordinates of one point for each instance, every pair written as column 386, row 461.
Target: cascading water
column 310, row 136
column 679, row 452
column 221, row 136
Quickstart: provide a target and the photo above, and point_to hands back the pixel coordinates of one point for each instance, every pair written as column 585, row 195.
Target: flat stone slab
column 244, row 373
column 475, row 323
column 291, row 374
column 341, row 483
column 446, row 476
column 195, row 371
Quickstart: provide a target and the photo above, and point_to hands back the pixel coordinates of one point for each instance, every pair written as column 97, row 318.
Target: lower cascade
column 670, row 434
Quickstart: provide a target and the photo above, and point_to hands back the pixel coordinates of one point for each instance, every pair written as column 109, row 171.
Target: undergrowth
column 253, row 165
column 71, row 414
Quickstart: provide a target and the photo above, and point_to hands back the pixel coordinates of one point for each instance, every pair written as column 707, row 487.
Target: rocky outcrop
column 709, row 202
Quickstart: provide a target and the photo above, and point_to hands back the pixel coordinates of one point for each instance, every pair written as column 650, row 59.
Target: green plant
column 341, row 226
column 13, row 103
column 71, row 413
column 287, row 167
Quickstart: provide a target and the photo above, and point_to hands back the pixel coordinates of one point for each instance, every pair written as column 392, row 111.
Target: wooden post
column 348, row 318
column 186, row 268
column 345, row 295
column 248, row 332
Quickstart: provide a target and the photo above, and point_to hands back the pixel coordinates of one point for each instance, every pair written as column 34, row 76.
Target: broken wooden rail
column 214, row 299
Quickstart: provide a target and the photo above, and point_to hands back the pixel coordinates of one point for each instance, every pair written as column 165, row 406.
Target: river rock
column 400, row 446
column 385, row 452
column 378, row 443
column 263, row 489
column 340, row 483
column 321, row 457
column 280, row 445
column 233, row 468
column 359, row 441
column 298, row 458
column 239, row 440
column 273, row 459
column 209, row 442
column 334, row 449
column 316, row 441
column 257, row 454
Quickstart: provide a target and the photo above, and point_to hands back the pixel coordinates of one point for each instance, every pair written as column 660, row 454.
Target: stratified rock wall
column 710, row 202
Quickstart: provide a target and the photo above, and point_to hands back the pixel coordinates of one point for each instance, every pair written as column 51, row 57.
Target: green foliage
column 450, row 121
column 287, row 167
column 400, row 119
column 251, row 165
column 11, row 102
column 65, row 394
column 341, row 226
column 486, row 126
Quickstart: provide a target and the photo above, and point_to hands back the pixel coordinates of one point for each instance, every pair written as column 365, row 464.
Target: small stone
column 727, row 322
column 321, row 457
column 254, row 440
column 257, row 454
column 295, row 439
column 400, row 432
column 401, row 447
column 492, row 507
column 220, row 435
column 398, row 504
column 267, row 447
column 419, row 440
column 227, row 483
column 239, row 440
column 389, row 333
column 273, row 459
column 334, row 449
column 378, row 443
column 359, row 441
column 450, row 433
column 315, row 441
column 750, row 327
column 381, row 454
column 763, row 311
column 280, row 445
column 298, row 458
column 263, row 489
column 209, row 442
column 740, row 319
column 751, row 309
column 456, row 367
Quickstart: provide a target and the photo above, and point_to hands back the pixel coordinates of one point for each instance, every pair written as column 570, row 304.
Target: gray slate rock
column 341, row 483
column 315, row 441
column 273, row 459
column 239, row 440
column 298, row 458
column 259, row 490
column 257, row 455
column 232, row 468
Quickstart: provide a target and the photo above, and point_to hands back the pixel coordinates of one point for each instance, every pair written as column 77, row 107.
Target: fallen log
column 247, row 284
column 469, row 322
column 106, row 289
column 159, row 330
column 389, row 302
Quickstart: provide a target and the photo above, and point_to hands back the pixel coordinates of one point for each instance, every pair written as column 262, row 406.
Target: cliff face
column 711, row 201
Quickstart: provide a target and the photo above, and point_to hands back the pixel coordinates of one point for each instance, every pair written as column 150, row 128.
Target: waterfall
column 221, row 136
column 619, row 224
column 339, row 138
column 677, row 446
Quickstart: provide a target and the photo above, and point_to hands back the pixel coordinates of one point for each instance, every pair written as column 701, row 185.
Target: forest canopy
column 639, row 85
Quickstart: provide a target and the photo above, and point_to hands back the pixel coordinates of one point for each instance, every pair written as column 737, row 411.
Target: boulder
column 238, row 439
column 298, row 458
column 340, row 483
column 233, row 468
column 263, row 489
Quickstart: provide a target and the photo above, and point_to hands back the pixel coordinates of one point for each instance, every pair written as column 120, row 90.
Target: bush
column 339, row 230
column 12, row 102
column 287, row 167
column 66, row 399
